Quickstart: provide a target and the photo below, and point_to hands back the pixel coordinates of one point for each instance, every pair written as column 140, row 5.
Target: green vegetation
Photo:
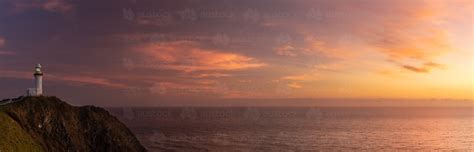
column 13, row 137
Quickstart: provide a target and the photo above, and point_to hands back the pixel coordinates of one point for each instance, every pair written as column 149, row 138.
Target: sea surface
column 301, row 128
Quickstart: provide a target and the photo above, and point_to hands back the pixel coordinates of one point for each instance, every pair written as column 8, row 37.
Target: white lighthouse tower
column 38, row 90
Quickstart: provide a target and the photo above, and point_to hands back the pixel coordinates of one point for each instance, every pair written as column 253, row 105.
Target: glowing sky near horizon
column 141, row 50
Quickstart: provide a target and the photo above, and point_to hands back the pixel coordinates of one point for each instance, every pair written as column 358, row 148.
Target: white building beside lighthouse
column 38, row 90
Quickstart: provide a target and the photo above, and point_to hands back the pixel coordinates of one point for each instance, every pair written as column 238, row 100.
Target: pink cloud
column 88, row 80
column 2, row 41
column 69, row 79
column 58, row 6
column 286, row 50
column 197, row 88
column 15, row 74
column 7, row 53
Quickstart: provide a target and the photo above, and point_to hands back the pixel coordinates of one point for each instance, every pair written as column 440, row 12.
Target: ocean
column 301, row 128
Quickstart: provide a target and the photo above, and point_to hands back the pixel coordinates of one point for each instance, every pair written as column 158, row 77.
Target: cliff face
column 49, row 124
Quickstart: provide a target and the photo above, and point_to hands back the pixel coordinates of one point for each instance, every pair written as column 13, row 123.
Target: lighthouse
column 38, row 90
column 38, row 80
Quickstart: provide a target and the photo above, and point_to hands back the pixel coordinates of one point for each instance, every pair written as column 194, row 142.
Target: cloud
column 414, row 34
column 57, row 6
column 311, row 47
column 416, row 69
column 87, row 80
column 197, row 88
column 69, row 79
column 2, row 41
column 303, row 77
column 15, row 74
column 7, row 53
column 215, row 75
column 425, row 68
column 295, row 81
column 188, row 57
column 395, row 30
column 286, row 50
column 295, row 85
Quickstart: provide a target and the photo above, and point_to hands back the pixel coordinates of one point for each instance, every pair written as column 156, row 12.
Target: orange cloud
column 188, row 57
column 216, row 75
column 295, row 85
column 414, row 35
column 303, row 77
column 295, row 81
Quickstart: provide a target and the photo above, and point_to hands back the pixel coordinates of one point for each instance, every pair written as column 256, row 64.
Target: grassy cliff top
column 50, row 124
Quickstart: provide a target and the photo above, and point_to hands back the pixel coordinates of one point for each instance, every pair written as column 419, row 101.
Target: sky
column 159, row 52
